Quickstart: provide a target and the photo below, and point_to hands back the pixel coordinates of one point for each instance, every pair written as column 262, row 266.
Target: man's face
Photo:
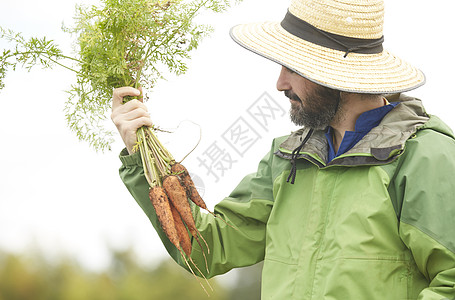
column 312, row 105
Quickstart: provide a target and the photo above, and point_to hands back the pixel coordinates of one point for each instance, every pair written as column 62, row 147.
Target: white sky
column 58, row 195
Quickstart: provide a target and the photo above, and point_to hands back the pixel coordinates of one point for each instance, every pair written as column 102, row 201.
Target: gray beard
column 322, row 109
column 319, row 120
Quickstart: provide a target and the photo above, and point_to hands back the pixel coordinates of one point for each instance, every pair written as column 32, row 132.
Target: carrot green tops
column 377, row 222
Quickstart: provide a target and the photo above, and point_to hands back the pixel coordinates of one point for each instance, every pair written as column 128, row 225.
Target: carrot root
column 168, row 218
column 202, row 274
column 193, row 194
column 178, row 197
column 182, row 253
column 163, row 211
column 184, row 238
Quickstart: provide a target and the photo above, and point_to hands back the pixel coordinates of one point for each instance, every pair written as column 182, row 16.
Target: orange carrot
column 191, row 190
column 163, row 211
column 182, row 232
column 184, row 238
column 188, row 183
column 166, row 218
column 178, row 196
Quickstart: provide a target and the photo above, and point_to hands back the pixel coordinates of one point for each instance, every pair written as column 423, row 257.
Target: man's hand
column 130, row 116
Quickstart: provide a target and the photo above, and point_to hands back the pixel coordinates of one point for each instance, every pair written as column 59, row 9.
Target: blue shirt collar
column 365, row 122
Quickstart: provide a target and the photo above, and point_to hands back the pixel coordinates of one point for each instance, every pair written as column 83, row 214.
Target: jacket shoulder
column 434, row 138
column 424, row 182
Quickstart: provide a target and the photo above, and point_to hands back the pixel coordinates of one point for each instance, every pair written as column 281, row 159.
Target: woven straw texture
column 354, row 18
column 362, row 73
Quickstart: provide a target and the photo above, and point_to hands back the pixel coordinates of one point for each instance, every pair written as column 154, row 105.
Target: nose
column 283, row 83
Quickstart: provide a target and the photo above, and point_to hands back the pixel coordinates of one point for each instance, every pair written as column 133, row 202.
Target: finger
column 143, row 121
column 129, row 129
column 125, row 114
column 135, row 104
column 119, row 93
column 130, row 106
column 133, row 114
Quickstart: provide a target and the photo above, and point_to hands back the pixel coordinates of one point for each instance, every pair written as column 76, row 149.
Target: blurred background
column 69, row 228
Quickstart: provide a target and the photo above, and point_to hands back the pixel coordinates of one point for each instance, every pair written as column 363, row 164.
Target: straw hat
column 335, row 43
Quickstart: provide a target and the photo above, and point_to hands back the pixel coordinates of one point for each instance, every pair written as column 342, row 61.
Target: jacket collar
column 381, row 145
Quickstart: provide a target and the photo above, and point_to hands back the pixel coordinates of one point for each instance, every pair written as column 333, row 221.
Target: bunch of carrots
column 171, row 188
column 173, row 210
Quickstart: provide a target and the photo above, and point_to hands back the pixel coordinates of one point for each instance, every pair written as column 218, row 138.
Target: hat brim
column 381, row 73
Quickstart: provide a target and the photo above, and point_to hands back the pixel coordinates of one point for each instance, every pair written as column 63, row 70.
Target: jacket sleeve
column 247, row 209
column 426, row 187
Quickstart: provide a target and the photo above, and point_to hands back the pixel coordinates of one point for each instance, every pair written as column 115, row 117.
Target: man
column 359, row 203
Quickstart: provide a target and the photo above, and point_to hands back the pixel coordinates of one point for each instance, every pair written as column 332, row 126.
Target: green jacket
column 378, row 222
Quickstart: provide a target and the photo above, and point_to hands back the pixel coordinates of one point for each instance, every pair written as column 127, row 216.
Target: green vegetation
column 34, row 277
column 119, row 43
column 23, row 278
